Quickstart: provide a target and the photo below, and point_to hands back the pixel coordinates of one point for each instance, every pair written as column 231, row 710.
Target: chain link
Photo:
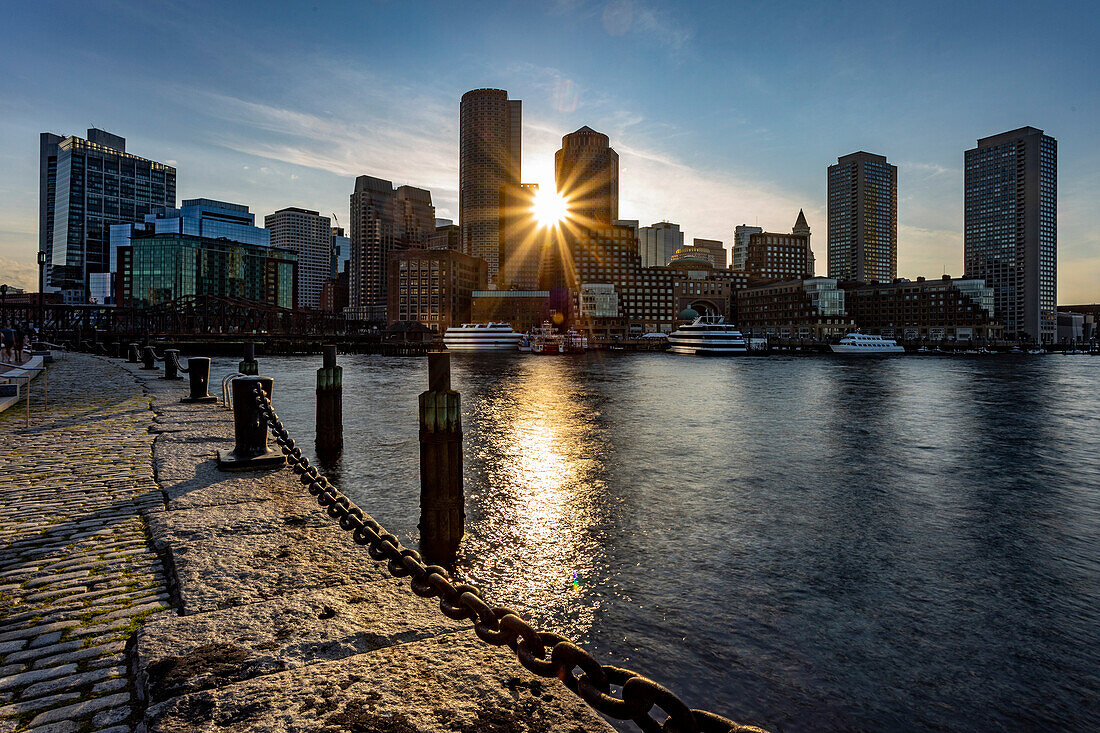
column 542, row 653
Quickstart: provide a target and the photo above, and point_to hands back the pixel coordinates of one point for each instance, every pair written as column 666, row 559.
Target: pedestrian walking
column 7, row 343
column 19, row 339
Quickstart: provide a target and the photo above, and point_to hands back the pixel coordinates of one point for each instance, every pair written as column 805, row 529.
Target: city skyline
column 703, row 160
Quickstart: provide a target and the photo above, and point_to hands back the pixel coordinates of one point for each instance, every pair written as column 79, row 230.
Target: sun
column 549, row 207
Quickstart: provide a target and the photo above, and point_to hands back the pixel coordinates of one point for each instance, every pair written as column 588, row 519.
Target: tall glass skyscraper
column 863, row 219
column 85, row 186
column 490, row 131
column 1011, row 228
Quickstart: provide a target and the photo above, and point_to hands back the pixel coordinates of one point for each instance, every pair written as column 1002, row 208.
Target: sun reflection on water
column 535, row 537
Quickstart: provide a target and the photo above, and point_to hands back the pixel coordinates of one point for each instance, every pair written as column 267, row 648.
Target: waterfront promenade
column 141, row 589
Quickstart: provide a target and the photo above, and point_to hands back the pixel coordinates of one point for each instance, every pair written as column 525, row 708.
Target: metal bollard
column 330, row 399
column 149, row 357
column 250, row 451
column 115, row 349
column 442, row 511
column 133, row 356
column 198, row 369
column 249, row 365
column 171, row 363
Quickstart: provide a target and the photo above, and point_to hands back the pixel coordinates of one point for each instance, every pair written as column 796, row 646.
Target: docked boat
column 482, row 337
column 864, row 343
column 708, row 336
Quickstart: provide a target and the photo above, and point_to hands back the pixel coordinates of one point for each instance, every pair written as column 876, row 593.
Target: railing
column 543, row 653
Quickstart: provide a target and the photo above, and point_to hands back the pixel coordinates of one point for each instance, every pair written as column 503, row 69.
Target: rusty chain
column 540, row 652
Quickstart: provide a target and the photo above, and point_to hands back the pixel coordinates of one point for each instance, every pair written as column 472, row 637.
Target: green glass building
column 158, row 268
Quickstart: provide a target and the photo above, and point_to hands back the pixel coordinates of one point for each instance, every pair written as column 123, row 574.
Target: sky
column 723, row 113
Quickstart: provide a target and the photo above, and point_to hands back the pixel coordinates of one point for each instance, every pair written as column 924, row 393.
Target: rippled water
column 802, row 543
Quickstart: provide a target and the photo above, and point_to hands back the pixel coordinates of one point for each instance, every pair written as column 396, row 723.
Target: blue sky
column 722, row 113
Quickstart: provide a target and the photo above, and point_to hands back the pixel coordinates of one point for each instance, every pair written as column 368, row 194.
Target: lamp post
column 41, row 292
column 3, row 303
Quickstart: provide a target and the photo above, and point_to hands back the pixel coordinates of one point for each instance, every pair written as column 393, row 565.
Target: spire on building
column 800, row 225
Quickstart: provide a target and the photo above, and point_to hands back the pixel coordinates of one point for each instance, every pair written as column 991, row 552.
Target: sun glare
column 549, row 207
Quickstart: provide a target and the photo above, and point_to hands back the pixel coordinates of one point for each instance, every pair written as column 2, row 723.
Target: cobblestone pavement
column 77, row 574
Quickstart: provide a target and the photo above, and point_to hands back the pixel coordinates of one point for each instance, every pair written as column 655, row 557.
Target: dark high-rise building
column 433, row 286
column 490, row 131
column 863, row 219
column 383, row 221
column 522, row 237
column 1011, row 228
column 85, row 186
column 586, row 172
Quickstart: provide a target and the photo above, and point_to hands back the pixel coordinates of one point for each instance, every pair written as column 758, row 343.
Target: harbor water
column 807, row 544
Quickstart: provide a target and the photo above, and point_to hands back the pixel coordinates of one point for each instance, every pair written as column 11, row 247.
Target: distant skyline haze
column 721, row 113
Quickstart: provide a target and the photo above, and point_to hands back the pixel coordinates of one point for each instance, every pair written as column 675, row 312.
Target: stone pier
column 142, row 589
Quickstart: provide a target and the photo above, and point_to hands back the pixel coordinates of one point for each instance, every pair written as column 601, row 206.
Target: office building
column 490, row 130
column 811, row 308
column 935, row 310
column 780, row 257
column 85, row 186
column 586, row 173
column 522, row 238
column 741, row 234
column 205, row 247
column 309, row 235
column 863, row 219
column 716, row 248
column 341, row 252
column 447, row 236
column 433, row 286
column 384, row 220
column 1011, row 228
column 658, row 242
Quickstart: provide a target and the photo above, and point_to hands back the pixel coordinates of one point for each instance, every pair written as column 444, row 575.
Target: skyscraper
column 741, row 234
column 586, row 172
column 716, row 249
column 490, row 131
column 85, row 186
column 863, row 218
column 1011, row 228
column 521, row 236
column 308, row 234
column 658, row 242
column 383, row 220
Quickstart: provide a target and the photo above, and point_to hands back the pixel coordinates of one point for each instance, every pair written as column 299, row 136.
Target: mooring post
column 249, row 365
column 442, row 510
column 171, row 363
column 250, row 450
column 149, row 356
column 330, row 407
column 198, row 370
column 133, row 356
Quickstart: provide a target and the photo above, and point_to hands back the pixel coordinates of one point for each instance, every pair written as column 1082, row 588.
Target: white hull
column 481, row 346
column 704, row 349
column 867, row 350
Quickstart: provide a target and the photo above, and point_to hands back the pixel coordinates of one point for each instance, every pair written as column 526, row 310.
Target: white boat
column 863, row 343
column 708, row 336
column 481, row 337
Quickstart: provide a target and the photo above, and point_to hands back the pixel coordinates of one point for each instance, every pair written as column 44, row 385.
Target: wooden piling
column 442, row 510
column 330, row 407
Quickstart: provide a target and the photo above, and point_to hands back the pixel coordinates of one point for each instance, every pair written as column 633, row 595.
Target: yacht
column 863, row 343
column 481, row 337
column 708, row 336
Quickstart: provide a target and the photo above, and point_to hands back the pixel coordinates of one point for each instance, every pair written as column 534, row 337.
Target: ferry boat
column 863, row 343
column 481, row 337
column 708, row 336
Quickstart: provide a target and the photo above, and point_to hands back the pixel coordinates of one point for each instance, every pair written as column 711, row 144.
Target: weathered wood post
column 442, row 510
column 249, row 365
column 330, row 407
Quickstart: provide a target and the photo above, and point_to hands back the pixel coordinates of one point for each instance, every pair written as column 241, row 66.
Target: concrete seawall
column 256, row 613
